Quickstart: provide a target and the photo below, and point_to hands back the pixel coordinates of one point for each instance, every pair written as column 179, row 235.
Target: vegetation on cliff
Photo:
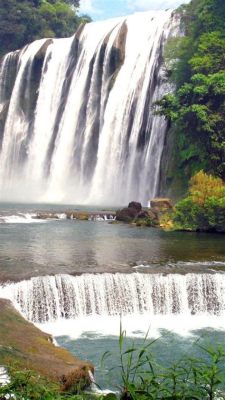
column 23, row 21
column 204, row 207
column 196, row 110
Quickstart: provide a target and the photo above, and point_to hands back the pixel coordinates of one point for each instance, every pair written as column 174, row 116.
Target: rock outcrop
column 129, row 213
column 134, row 213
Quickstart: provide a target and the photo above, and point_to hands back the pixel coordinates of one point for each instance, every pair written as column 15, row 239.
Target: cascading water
column 63, row 296
column 78, row 123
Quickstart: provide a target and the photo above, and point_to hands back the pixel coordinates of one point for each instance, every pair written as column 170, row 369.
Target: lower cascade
column 77, row 121
column 49, row 298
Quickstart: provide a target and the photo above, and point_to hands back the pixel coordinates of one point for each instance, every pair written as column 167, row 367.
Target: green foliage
column 27, row 385
column 204, row 208
column 148, row 222
column 196, row 64
column 24, row 21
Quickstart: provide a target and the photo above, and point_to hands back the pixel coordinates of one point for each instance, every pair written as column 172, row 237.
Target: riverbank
column 25, row 347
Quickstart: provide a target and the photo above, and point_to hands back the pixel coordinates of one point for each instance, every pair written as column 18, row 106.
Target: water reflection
column 84, row 246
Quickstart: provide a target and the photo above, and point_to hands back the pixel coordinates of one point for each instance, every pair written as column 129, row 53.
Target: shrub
column 204, row 208
column 202, row 186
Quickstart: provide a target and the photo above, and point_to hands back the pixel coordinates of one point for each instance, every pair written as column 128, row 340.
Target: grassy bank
column 25, row 347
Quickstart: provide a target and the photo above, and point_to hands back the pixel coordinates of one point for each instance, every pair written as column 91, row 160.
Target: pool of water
column 76, row 247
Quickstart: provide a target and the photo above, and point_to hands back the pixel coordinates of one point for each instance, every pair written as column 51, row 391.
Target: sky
column 103, row 9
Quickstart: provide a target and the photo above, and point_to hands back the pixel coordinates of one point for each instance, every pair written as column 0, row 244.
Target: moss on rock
column 27, row 347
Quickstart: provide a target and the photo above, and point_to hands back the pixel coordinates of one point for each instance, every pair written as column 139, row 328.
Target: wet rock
column 3, row 114
column 142, row 214
column 4, row 110
column 41, row 53
column 46, row 216
column 135, row 205
column 126, row 214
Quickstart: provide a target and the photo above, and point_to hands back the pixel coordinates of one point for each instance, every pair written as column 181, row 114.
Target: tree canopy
column 26, row 20
column 196, row 111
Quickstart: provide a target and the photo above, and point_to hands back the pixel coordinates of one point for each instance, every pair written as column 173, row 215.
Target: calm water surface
column 75, row 247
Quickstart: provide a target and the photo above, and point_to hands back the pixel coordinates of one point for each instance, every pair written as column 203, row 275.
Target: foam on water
column 211, row 263
column 31, row 217
column 20, row 218
column 135, row 325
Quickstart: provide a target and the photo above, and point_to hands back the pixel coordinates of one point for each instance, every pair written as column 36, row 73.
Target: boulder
column 161, row 204
column 126, row 214
column 135, row 205
column 142, row 214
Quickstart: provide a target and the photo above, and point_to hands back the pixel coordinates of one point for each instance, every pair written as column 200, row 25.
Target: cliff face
column 173, row 177
column 27, row 348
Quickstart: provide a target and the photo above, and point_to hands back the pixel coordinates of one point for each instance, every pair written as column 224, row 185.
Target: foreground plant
column 189, row 378
column 27, row 385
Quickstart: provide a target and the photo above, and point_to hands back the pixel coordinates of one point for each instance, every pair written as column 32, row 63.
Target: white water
column 30, row 218
column 20, row 218
column 92, row 137
column 67, row 305
column 37, row 217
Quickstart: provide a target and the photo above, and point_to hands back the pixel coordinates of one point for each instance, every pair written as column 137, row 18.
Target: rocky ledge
column 75, row 215
column 27, row 348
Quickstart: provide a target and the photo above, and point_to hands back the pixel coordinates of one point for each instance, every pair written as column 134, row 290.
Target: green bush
column 204, row 208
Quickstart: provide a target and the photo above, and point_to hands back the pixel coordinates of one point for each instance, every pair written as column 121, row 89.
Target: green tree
column 196, row 64
column 24, row 21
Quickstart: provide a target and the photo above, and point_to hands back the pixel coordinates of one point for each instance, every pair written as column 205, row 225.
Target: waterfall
column 50, row 298
column 78, row 124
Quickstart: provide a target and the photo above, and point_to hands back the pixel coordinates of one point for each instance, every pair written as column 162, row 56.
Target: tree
column 24, row 21
column 196, row 110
